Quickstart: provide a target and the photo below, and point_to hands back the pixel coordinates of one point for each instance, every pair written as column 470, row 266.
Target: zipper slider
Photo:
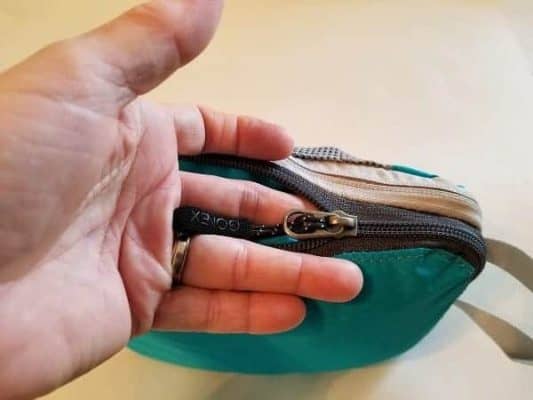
column 300, row 224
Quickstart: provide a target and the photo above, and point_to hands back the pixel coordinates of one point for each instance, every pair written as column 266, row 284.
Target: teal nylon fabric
column 412, row 171
column 405, row 293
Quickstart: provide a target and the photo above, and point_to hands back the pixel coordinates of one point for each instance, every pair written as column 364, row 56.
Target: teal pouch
column 415, row 236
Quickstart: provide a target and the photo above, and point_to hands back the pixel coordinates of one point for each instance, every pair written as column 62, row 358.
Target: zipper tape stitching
column 415, row 232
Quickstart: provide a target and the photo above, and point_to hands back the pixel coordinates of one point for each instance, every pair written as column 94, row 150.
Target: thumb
column 146, row 44
column 126, row 57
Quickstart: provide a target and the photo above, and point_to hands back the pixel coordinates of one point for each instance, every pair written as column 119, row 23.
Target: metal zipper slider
column 302, row 224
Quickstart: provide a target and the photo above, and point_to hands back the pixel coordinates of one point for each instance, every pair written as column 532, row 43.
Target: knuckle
column 76, row 66
column 250, row 200
column 226, row 127
column 240, row 127
column 157, row 14
column 158, row 20
column 189, row 128
column 298, row 273
column 70, row 53
column 240, row 267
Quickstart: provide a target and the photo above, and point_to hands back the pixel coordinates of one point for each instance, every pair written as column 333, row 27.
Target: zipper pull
column 194, row 221
column 300, row 224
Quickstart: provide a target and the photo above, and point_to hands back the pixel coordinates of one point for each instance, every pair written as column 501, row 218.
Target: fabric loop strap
column 511, row 259
column 515, row 343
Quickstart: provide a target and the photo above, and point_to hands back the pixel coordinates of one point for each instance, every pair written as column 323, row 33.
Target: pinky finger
column 220, row 311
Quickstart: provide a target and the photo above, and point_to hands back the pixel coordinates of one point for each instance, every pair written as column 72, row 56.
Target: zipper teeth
column 438, row 231
column 375, row 229
column 283, row 180
column 389, row 228
column 303, row 245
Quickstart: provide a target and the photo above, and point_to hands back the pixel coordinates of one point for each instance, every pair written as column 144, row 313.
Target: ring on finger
column 180, row 248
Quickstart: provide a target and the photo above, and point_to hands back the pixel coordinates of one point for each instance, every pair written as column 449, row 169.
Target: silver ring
column 180, row 248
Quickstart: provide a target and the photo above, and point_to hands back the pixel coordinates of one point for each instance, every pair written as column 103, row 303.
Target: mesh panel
column 327, row 153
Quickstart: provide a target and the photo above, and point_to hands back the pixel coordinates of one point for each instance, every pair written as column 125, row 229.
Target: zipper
column 304, row 224
column 340, row 224
column 297, row 224
column 376, row 183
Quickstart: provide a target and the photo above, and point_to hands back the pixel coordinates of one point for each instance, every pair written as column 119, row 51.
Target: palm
column 88, row 184
column 113, row 216
column 109, row 189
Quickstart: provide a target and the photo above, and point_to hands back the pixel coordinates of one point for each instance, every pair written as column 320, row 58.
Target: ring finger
column 216, row 262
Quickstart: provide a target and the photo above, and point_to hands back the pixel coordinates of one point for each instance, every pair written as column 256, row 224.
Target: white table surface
column 442, row 85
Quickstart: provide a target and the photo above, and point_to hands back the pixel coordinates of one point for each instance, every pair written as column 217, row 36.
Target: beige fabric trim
column 514, row 342
column 425, row 199
column 381, row 176
column 512, row 260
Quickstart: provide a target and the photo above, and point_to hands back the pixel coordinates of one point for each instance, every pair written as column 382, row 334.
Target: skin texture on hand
column 88, row 183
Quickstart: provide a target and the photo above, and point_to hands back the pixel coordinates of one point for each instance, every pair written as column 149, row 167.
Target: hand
column 88, row 184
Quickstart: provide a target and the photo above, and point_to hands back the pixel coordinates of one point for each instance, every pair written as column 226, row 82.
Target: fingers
column 242, row 136
column 202, row 130
column 192, row 309
column 238, row 199
column 225, row 263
